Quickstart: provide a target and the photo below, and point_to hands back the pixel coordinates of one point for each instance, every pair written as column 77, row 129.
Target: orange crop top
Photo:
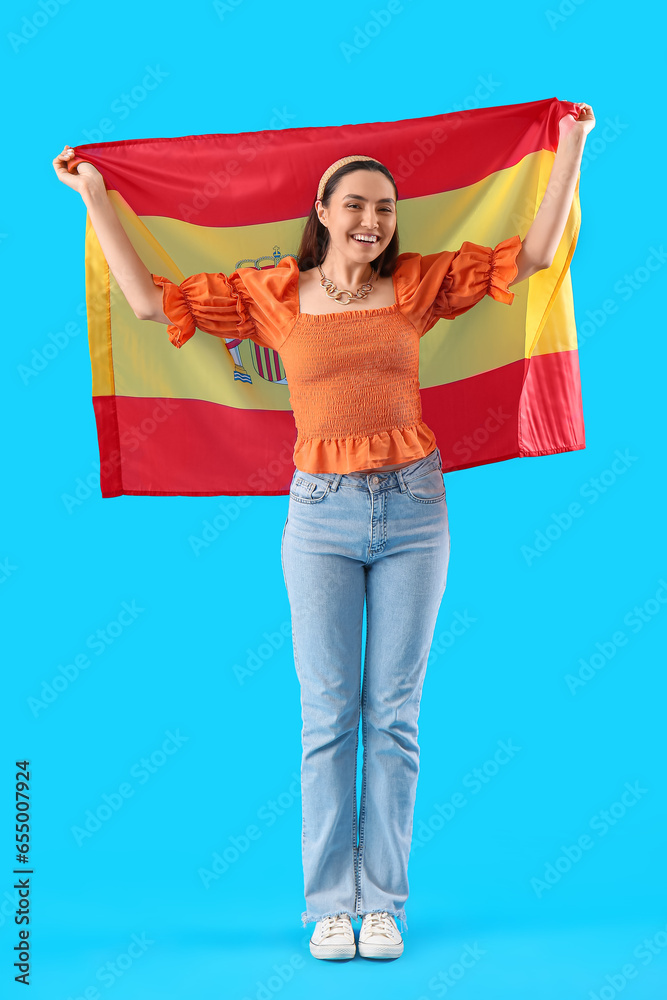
column 353, row 376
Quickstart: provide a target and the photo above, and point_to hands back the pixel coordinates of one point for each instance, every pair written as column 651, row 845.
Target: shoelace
column 332, row 924
column 379, row 923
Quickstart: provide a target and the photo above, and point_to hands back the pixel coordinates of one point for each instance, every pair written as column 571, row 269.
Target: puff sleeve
column 210, row 302
column 249, row 304
column 445, row 285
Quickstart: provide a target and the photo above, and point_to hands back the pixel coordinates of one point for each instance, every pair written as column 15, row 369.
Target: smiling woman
column 371, row 232
column 350, row 235
column 367, row 523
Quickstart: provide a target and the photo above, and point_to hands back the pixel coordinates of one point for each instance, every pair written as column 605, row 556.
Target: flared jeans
column 382, row 538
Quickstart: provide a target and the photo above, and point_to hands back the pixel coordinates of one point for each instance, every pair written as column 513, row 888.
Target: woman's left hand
column 582, row 125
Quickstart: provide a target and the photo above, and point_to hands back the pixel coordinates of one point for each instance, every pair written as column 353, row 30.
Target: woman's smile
column 366, row 239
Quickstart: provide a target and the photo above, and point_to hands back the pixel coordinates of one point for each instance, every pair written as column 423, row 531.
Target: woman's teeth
column 362, row 239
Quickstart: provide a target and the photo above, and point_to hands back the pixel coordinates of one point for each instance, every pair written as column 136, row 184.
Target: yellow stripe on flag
column 504, row 203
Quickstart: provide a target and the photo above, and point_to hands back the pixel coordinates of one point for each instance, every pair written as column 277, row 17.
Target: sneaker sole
column 335, row 951
column 380, row 950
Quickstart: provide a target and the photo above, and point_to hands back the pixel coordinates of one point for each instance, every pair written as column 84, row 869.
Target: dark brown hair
column 315, row 237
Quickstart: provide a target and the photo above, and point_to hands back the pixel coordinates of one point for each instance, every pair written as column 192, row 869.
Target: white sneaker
column 333, row 937
column 379, row 936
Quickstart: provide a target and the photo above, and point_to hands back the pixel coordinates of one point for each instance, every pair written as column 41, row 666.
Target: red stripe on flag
column 551, row 407
column 495, row 402
column 189, row 447
column 247, row 178
column 108, row 440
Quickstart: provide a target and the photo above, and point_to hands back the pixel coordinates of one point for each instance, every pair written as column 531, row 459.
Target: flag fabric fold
column 499, row 381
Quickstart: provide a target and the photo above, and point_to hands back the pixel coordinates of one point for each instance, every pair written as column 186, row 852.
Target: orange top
column 353, row 376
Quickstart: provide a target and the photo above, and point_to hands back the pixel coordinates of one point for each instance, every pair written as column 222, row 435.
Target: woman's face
column 363, row 204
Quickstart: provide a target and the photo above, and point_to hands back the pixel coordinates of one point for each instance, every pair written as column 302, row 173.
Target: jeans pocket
column 308, row 489
column 427, row 489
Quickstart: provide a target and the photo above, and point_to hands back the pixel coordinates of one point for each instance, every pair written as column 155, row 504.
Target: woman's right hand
column 86, row 174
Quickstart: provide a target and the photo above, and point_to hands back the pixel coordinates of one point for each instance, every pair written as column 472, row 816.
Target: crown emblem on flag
column 274, row 257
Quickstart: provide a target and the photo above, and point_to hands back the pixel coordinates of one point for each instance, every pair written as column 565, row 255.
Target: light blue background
column 172, row 667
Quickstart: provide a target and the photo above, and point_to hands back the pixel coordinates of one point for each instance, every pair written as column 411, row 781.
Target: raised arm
column 260, row 305
column 133, row 277
column 542, row 239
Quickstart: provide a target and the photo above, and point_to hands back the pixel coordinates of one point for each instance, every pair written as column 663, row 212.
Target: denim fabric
column 382, row 538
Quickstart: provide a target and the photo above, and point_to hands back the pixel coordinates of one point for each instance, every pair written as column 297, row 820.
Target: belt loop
column 401, row 480
column 336, row 481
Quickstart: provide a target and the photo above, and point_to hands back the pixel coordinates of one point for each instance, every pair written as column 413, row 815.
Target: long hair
column 315, row 237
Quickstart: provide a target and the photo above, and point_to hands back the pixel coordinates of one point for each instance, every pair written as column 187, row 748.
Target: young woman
column 367, row 516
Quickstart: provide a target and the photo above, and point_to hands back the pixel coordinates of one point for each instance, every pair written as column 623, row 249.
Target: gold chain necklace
column 335, row 293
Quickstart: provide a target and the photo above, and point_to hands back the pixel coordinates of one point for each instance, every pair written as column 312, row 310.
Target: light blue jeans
column 382, row 538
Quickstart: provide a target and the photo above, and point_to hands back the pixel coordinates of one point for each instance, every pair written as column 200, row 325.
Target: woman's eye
column 357, row 206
